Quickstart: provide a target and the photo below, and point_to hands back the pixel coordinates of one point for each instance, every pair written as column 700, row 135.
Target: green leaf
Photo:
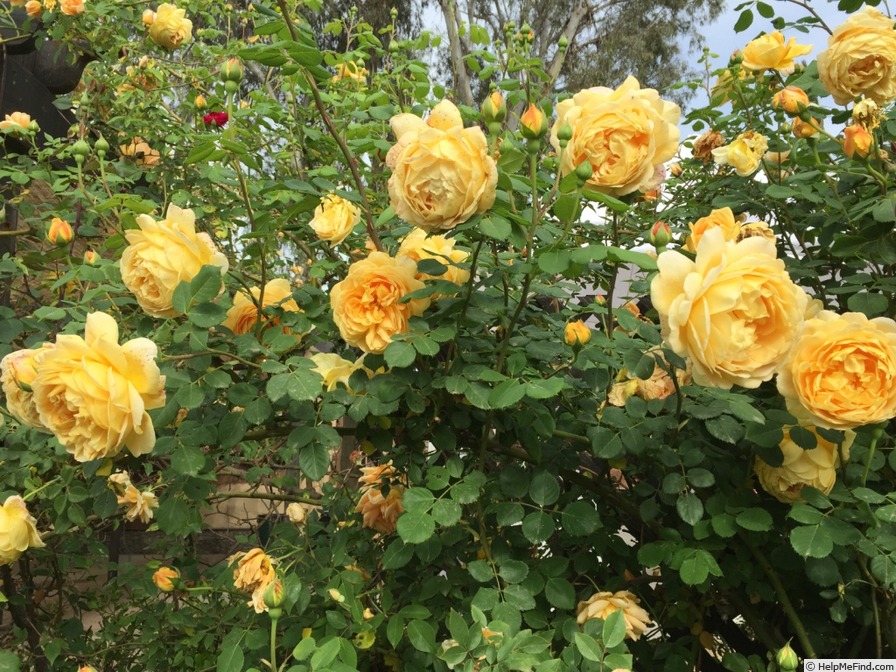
column 689, row 507
column 554, row 261
column 400, row 355
column 207, row 314
column 481, row 571
column 495, row 227
column 417, row 500
column 614, row 629
column 304, row 648
column 725, row 428
column 811, row 541
column 580, row 519
column 506, row 393
column 519, row 597
column 697, row 565
column 537, row 526
column 416, row 528
column 326, row 653
column 397, row 554
column 446, row 512
column 9, row 662
column 173, row 516
column 314, row 460
column 395, row 630
column 231, row 657
column 422, row 636
column 560, row 593
column 802, row 437
column 744, row 21
column 544, row 489
column 513, row 571
column 756, row 520
column 188, row 460
column 544, row 388
column 588, row 647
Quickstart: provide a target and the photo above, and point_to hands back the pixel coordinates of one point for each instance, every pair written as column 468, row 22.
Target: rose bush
column 463, row 437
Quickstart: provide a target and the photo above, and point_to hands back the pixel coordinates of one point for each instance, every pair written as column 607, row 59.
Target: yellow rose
column 17, row 373
column 253, row 574
column 576, row 333
column 625, row 135
column 733, row 310
column 141, row 153
column 380, row 512
column 441, row 172
column 744, row 154
column 72, row 7
column 296, row 513
column 334, row 219
column 367, row 304
column 335, row 370
column 769, row 52
column 860, row 59
column 243, row 315
column 717, row 219
column 417, row 245
column 139, row 504
column 841, row 372
column 94, row 394
column 856, row 140
column 602, row 605
column 17, row 530
column 791, row 99
column 760, row 229
column 17, row 122
column 164, row 578
column 34, row 8
column 350, row 70
column 816, row 467
column 170, row 27
column 161, row 255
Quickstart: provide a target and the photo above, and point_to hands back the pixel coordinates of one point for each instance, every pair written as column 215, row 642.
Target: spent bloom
column 744, row 154
column 380, row 507
column 602, row 604
column 253, row 573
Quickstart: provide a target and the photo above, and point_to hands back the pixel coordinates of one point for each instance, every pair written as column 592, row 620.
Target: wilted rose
column 744, row 154
column 603, row 604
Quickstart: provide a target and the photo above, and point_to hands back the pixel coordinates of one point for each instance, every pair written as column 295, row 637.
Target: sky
column 722, row 40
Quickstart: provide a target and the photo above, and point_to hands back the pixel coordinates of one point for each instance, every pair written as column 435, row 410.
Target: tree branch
column 461, row 76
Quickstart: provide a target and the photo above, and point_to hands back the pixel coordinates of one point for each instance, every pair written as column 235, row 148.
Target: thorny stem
column 781, row 591
column 334, row 132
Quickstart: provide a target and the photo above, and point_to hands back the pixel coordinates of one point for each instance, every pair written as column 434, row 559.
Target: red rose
column 217, row 118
